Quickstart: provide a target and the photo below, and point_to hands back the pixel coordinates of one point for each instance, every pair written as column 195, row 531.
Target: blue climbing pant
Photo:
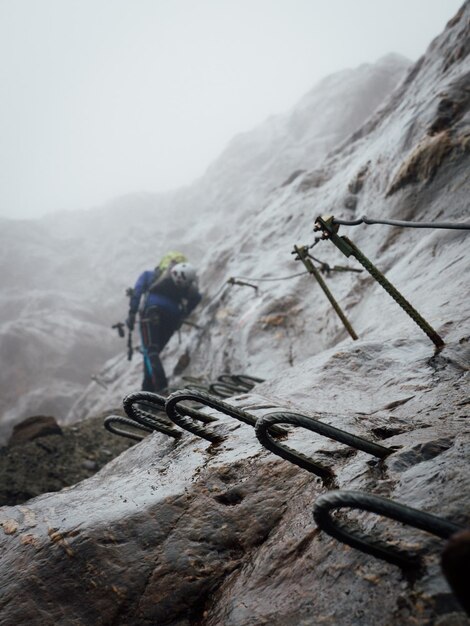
column 156, row 328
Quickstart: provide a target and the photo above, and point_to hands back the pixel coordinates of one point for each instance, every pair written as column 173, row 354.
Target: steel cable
column 265, row 424
column 270, row 279
column 404, row 224
column 386, row 508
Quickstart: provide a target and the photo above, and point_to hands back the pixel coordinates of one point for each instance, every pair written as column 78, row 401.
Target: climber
column 166, row 296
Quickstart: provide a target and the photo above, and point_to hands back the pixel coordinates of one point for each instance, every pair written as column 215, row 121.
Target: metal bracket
column 329, row 229
column 303, row 255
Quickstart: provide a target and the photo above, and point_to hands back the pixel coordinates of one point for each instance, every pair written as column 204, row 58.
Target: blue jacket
column 175, row 300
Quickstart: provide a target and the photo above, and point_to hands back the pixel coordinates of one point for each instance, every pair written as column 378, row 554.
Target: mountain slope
column 63, row 278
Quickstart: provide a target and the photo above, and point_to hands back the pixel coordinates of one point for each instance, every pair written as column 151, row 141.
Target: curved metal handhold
column 119, row 419
column 225, row 378
column 145, row 418
column 196, row 386
column 240, row 380
column 231, row 384
column 266, row 423
column 382, row 506
column 213, row 402
column 225, row 390
column 246, row 379
column 208, row 400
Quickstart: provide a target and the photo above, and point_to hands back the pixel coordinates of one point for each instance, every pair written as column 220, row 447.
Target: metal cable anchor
column 329, row 228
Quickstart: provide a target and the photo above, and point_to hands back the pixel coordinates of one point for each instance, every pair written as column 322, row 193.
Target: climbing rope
column 348, row 248
column 366, row 220
column 386, row 508
column 265, row 424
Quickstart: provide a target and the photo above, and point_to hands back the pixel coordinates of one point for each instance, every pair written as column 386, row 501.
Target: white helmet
column 183, row 274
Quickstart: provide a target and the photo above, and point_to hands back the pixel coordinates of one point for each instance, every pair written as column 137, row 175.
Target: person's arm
column 192, row 300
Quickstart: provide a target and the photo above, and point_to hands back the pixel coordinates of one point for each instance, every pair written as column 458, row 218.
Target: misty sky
column 105, row 97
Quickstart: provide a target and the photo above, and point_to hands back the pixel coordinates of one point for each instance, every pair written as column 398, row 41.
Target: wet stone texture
column 42, row 457
column 155, row 565
column 191, row 534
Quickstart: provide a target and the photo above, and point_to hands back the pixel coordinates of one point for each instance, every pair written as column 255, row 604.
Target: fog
column 106, row 97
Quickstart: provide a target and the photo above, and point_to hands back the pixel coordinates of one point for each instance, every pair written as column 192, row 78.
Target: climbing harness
column 303, row 255
column 382, row 506
column 265, row 424
column 329, row 229
column 366, row 220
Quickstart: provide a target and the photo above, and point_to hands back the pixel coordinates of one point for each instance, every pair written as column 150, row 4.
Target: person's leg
column 147, row 383
column 160, row 330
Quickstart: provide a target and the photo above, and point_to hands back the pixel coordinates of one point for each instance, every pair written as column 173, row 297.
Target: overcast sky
column 105, row 97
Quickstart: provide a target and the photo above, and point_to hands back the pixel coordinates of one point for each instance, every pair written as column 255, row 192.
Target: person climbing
column 168, row 294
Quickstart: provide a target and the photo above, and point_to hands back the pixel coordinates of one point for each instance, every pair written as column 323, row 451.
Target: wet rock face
column 34, row 427
column 191, row 534
column 158, row 564
column 42, row 457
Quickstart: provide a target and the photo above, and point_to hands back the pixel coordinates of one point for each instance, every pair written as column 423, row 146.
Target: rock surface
column 54, row 458
column 192, row 534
